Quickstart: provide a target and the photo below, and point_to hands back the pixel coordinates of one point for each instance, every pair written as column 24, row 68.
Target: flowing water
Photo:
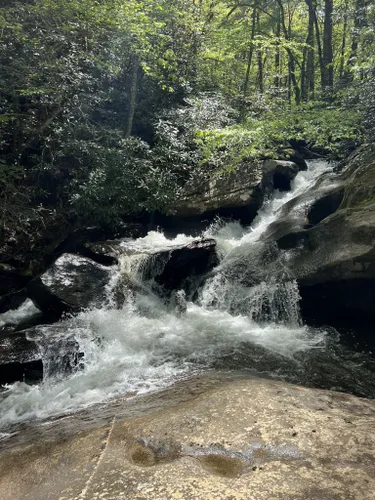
column 245, row 317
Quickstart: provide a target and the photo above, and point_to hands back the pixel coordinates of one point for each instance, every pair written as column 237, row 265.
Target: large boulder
column 72, row 283
column 23, row 259
column 186, row 264
column 333, row 243
column 281, row 173
column 238, row 194
column 180, row 267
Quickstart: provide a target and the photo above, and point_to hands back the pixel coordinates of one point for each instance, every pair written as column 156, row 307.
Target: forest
column 110, row 107
column 187, row 249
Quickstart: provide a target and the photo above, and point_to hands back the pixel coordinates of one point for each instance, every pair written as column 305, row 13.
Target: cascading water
column 246, row 316
column 253, row 277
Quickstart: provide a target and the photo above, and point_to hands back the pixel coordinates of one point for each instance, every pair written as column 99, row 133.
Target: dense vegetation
column 108, row 107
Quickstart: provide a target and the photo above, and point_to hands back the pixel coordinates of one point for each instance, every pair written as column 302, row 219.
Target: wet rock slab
column 248, row 439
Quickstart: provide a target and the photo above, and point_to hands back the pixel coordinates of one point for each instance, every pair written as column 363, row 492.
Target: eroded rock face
column 333, row 241
column 340, row 247
column 238, row 195
column 336, row 267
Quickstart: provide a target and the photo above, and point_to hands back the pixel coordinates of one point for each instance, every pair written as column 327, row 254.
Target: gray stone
column 240, row 188
column 246, row 439
column 331, row 232
column 71, row 284
column 239, row 193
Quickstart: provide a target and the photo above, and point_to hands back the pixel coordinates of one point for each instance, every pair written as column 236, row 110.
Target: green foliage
column 333, row 130
column 64, row 102
column 74, row 74
column 122, row 180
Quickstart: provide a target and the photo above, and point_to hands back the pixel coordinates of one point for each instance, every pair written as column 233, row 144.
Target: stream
column 244, row 319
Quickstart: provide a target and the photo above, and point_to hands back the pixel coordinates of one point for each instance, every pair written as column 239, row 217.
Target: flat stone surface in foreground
column 248, row 439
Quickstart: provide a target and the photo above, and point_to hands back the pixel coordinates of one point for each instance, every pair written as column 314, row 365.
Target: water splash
column 15, row 316
column 249, row 305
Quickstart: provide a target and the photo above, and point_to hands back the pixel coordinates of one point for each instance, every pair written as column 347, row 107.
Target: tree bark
column 260, row 61
column 310, row 64
column 312, row 8
column 359, row 24
column 304, row 84
column 249, row 61
column 327, row 77
column 132, row 95
column 277, row 52
column 343, row 44
column 291, row 61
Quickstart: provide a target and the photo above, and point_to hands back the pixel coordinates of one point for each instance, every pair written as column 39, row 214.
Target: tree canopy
column 108, row 107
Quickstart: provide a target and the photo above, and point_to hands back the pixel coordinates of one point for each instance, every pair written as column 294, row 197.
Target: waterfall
column 246, row 312
column 253, row 278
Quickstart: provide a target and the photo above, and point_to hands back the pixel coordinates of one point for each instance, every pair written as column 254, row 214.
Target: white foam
column 14, row 316
column 155, row 241
column 145, row 346
column 138, row 354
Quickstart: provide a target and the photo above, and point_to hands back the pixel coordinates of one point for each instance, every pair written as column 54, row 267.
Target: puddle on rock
column 149, row 451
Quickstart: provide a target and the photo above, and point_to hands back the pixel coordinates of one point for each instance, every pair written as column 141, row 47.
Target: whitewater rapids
column 146, row 346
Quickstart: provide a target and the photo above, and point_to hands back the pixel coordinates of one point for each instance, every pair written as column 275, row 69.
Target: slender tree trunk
column 249, row 61
column 359, row 24
column 304, row 83
column 291, row 62
column 310, row 64
column 277, row 52
column 132, row 95
column 343, row 44
column 260, row 61
column 327, row 78
column 312, row 8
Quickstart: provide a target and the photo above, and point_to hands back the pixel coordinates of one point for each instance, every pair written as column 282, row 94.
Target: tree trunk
column 310, row 64
column 343, row 44
column 327, row 77
column 277, row 52
column 132, row 95
column 248, row 67
column 260, row 62
column 291, row 62
column 304, row 84
column 359, row 24
column 312, row 9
